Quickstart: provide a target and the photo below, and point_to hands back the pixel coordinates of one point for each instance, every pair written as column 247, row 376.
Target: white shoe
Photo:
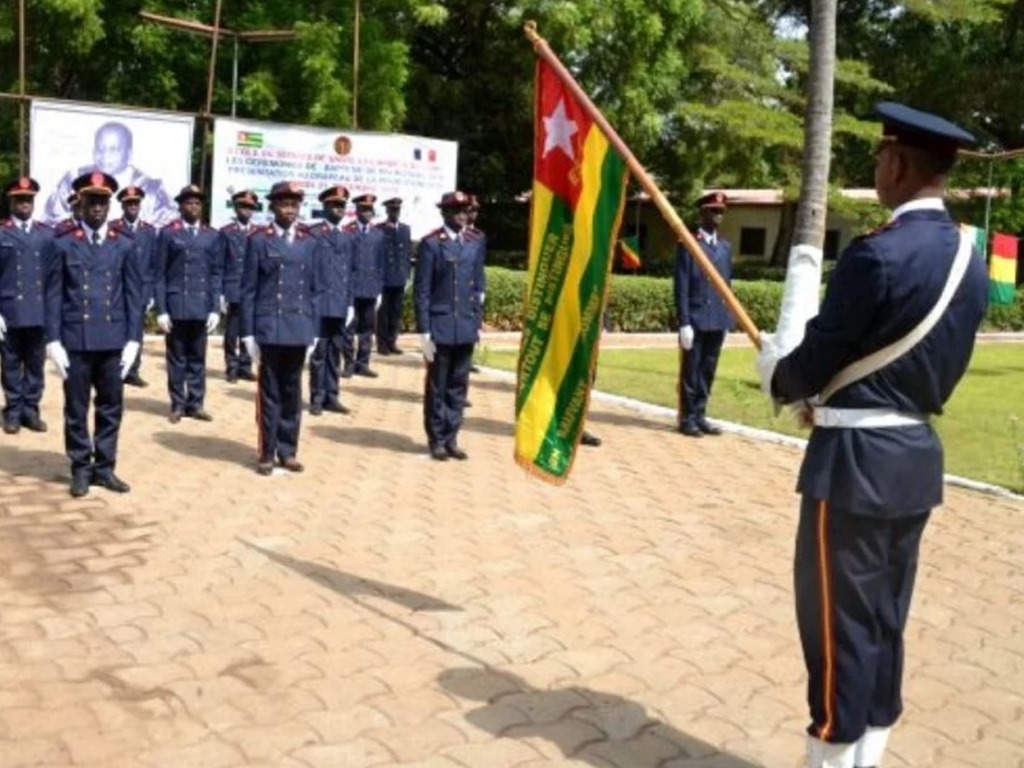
column 871, row 747
column 821, row 754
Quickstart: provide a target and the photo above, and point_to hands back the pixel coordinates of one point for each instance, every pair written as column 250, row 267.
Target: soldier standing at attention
column 237, row 364
column 72, row 221
column 144, row 235
column 280, row 300
column 471, row 227
column 367, row 285
column 188, row 289
column 703, row 318
column 94, row 302
column 397, row 267
column 23, row 243
column 336, row 310
column 448, row 284
column 892, row 339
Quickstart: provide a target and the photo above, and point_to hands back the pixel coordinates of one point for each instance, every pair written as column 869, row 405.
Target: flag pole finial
column 530, row 29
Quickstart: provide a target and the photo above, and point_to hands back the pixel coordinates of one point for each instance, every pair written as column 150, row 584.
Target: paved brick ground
column 385, row 610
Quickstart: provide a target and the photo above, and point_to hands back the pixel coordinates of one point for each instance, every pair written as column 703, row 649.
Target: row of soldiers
column 290, row 294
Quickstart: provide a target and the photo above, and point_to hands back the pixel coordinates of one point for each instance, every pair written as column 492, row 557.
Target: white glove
column 3, row 328
column 686, row 337
column 252, row 348
column 163, row 322
column 56, row 352
column 211, row 321
column 149, row 305
column 482, row 297
column 223, row 305
column 128, row 355
column 428, row 347
column 350, row 315
column 309, row 350
column 766, row 361
column 377, row 305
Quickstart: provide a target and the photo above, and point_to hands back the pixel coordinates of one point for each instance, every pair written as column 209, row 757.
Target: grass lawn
column 980, row 430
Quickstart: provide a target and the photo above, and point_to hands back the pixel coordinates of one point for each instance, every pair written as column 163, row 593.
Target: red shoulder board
column 270, row 229
column 79, row 233
column 301, row 230
column 9, row 223
column 112, row 233
column 351, row 227
column 176, row 224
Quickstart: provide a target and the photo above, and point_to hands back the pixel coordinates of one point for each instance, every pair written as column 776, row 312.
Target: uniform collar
column 709, row 237
column 921, row 204
column 20, row 224
column 457, row 236
column 241, row 226
column 282, row 232
column 102, row 230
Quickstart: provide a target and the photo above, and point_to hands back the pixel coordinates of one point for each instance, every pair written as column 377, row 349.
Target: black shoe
column 396, row 351
column 474, row 368
column 232, row 378
column 691, row 430
column 367, row 372
column 466, row 404
column 708, row 428
column 265, row 468
column 111, row 482
column 455, row 452
column 199, row 415
column 175, row 416
column 316, row 410
column 337, row 408
column 247, row 376
column 438, row 453
column 591, row 440
column 12, row 427
column 35, row 424
column 79, row 485
column 346, row 372
column 292, row 464
column 383, row 350
column 134, row 380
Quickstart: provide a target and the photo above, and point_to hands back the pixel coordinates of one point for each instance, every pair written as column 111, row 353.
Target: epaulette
column 9, row 224
column 877, row 230
column 269, row 229
column 350, row 227
column 66, row 228
column 177, row 224
column 78, row 232
column 439, row 233
column 113, row 233
column 301, row 231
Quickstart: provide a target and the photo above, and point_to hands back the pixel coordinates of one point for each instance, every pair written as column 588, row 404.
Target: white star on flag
column 558, row 131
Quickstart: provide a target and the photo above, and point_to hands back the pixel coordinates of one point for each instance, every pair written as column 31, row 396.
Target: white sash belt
column 865, row 418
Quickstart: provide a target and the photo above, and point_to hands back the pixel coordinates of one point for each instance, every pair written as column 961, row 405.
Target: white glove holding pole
column 482, row 297
column 800, row 297
column 128, row 355
column 149, row 305
column 252, row 348
column 163, row 322
column 380, row 297
column 686, row 337
column 766, row 361
column 59, row 357
column 212, row 321
column 223, row 305
column 309, row 350
column 3, row 328
column 428, row 347
column 350, row 315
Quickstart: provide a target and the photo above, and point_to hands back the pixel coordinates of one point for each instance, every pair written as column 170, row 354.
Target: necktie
column 24, row 227
column 193, row 230
column 95, row 238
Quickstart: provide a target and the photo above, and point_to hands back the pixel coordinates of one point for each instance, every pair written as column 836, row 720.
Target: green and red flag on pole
column 629, row 249
column 1002, row 270
column 579, row 191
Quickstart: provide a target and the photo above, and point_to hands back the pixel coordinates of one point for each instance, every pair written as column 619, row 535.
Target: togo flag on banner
column 579, row 186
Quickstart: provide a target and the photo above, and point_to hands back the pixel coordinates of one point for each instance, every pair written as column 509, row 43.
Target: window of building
column 752, row 241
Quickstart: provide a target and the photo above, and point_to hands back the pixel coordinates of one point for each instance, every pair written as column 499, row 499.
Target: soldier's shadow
column 209, row 447
column 593, row 727
column 144, row 404
column 488, row 426
column 48, row 466
column 364, row 437
column 381, row 393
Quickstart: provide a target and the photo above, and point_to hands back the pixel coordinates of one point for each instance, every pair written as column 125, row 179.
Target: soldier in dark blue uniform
column 883, row 355
column 367, row 285
column 280, row 319
column 22, row 343
column 93, row 311
column 237, row 364
column 397, row 267
column 144, row 234
column 703, row 318
column 188, row 290
column 336, row 310
column 72, row 221
column 448, row 285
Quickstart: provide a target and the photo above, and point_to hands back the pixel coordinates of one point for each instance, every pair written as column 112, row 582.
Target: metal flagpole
column 21, row 88
column 207, row 118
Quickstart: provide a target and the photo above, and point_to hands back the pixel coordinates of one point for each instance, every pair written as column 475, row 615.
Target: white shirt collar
column 243, row 227
column 711, row 237
column 22, row 223
column 453, row 234
column 288, row 234
column 921, row 204
column 102, row 231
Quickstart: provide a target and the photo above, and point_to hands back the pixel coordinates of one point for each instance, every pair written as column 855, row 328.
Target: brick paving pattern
column 382, row 609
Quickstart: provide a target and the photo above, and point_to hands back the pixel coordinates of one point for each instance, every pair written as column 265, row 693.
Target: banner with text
column 251, row 155
column 150, row 149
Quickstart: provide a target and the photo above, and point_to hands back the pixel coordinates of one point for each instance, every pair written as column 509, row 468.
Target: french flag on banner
column 429, row 155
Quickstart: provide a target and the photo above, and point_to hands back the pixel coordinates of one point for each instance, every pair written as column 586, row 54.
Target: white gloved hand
column 128, row 355
column 380, row 298
column 309, row 350
column 149, row 305
column 59, row 356
column 164, row 323
column 766, row 361
column 3, row 328
column 212, row 320
column 428, row 347
column 350, row 315
column 686, row 337
column 252, row 348
column 223, row 305
column 482, row 297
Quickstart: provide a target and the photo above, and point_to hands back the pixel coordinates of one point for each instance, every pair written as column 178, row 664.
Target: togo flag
column 579, row 189
column 1002, row 270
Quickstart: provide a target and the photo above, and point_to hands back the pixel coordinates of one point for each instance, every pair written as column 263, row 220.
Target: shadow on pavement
column 146, row 404
column 352, row 586
column 495, row 385
column 48, row 466
column 630, row 420
column 207, row 446
column 488, row 426
column 369, row 438
column 381, row 393
column 589, row 726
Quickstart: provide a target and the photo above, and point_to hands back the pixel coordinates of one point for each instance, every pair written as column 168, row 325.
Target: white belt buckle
column 829, row 417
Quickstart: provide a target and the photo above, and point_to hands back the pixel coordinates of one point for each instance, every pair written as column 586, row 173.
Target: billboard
column 152, row 150
column 255, row 155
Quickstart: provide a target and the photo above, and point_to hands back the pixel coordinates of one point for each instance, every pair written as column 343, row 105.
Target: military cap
column 365, row 201
column 338, row 194
column 95, row 183
column 456, row 199
column 914, row 128
column 189, row 192
column 245, row 198
column 23, row 187
column 393, row 202
column 285, row 189
column 130, row 194
column 716, row 200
